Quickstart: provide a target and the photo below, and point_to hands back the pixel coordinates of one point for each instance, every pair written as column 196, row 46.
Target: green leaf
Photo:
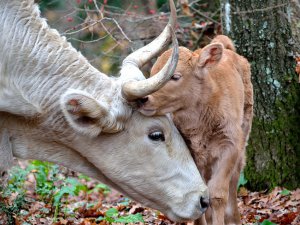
column 99, row 219
column 109, row 219
column 63, row 191
column 85, row 177
column 242, row 180
column 112, row 212
column 90, row 205
column 102, row 187
column 132, row 218
column 125, row 202
column 267, row 222
column 285, row 192
column 25, row 223
column 77, row 185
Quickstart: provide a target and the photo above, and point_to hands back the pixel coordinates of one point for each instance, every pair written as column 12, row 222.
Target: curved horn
column 138, row 87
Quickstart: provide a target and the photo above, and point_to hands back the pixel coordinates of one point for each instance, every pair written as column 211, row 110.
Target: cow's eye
column 176, row 76
column 157, row 136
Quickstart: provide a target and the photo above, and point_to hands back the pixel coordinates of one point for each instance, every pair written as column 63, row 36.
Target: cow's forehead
column 139, row 125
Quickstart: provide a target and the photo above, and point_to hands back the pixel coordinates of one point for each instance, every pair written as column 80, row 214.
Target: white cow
column 55, row 106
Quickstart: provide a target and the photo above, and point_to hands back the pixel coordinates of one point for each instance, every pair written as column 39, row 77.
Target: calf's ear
column 210, row 55
column 83, row 112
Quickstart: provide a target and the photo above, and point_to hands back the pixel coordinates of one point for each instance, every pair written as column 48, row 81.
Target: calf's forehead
column 184, row 58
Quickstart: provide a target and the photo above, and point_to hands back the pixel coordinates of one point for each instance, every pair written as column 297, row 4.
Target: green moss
column 274, row 146
column 278, row 137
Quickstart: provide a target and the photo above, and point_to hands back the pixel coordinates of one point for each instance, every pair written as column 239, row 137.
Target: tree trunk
column 262, row 33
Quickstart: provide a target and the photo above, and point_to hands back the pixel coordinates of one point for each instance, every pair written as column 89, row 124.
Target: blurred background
column 106, row 31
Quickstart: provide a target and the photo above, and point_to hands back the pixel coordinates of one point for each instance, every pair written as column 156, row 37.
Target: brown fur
column 212, row 105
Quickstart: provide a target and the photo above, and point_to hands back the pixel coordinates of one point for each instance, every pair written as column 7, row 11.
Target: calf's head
column 187, row 83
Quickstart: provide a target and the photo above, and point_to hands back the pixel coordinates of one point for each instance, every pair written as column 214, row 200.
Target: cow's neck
column 37, row 64
column 27, row 141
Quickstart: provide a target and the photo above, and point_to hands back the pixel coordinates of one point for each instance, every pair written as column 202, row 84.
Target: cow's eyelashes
column 156, row 136
column 176, row 76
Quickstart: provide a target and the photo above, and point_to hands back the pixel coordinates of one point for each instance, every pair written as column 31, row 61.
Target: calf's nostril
column 204, row 202
column 144, row 100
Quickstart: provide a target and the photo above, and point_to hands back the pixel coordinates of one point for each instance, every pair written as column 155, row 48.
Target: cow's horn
column 136, row 85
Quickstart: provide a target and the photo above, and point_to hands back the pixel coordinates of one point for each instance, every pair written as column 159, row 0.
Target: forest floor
column 41, row 193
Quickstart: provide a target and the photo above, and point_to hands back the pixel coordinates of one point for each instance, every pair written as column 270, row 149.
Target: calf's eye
column 176, row 76
column 157, row 136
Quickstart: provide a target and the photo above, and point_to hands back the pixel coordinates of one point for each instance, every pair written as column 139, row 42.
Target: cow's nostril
column 204, row 202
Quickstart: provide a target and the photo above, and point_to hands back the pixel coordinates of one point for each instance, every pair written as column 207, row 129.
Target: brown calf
column 210, row 97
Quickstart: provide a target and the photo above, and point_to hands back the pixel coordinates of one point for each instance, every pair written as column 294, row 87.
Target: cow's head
column 188, row 82
column 71, row 114
column 147, row 161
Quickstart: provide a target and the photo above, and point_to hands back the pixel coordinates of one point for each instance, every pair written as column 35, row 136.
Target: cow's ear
column 210, row 55
column 83, row 112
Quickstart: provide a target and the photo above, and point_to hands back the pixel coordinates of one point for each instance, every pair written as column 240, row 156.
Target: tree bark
column 262, row 33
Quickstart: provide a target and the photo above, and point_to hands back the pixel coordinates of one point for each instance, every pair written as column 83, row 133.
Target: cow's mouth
column 179, row 219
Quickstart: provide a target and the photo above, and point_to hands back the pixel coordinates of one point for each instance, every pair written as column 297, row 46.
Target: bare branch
column 203, row 15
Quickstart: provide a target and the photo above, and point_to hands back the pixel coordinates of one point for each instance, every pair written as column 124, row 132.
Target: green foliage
column 71, row 187
column 285, row 192
column 112, row 216
column 51, row 186
column 132, row 218
column 267, row 222
column 101, row 187
column 50, row 4
column 16, row 179
column 84, row 177
column 13, row 209
column 112, row 212
column 15, row 186
column 125, row 202
column 242, row 180
column 160, row 3
column 45, row 175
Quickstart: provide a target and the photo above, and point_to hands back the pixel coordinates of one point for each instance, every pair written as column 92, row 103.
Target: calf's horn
column 137, row 86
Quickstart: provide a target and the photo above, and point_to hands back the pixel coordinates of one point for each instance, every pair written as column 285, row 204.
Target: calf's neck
column 210, row 98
